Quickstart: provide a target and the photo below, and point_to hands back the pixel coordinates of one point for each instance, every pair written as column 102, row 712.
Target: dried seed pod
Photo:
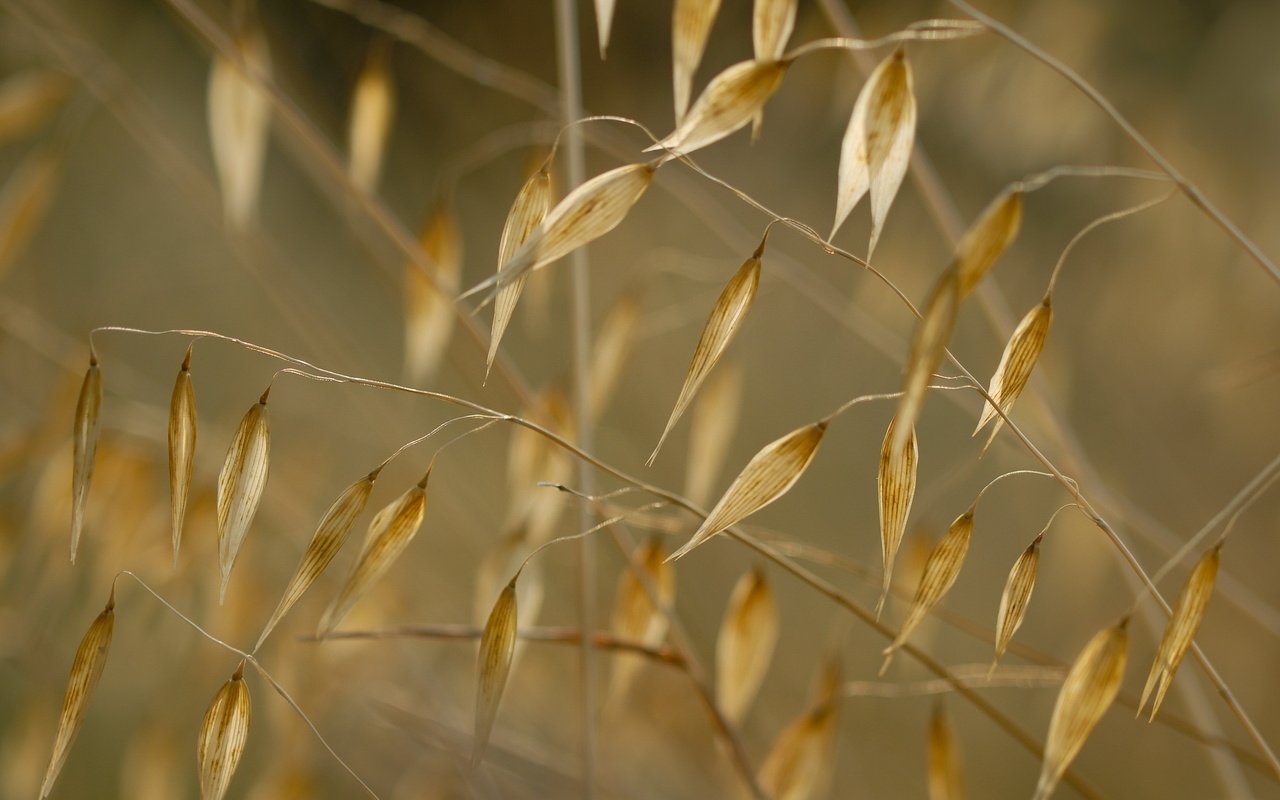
column 691, row 22
column 801, row 761
column 325, row 543
column 1188, row 613
column 390, row 532
column 1016, row 363
column 526, row 214
column 88, row 424
column 726, row 317
column 940, row 573
column 24, row 200
column 896, row 487
column 877, row 144
column 429, row 295
column 771, row 24
column 28, row 98
column 987, row 239
column 223, row 733
column 745, row 644
column 1088, row 691
column 497, row 646
column 373, row 109
column 635, row 617
column 609, row 353
column 1016, row 596
column 86, row 669
column 239, row 123
column 928, row 343
column 182, row 447
column 767, row 476
column 604, row 22
column 730, row 101
column 945, row 777
column 587, row 213
column 714, row 418
column 240, row 485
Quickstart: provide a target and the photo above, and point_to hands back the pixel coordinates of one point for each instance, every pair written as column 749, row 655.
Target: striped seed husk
column 223, row 733
column 85, row 432
column 241, row 483
column 86, row 670
column 896, row 487
column 767, row 476
column 1184, row 621
column 493, row 666
column 182, row 448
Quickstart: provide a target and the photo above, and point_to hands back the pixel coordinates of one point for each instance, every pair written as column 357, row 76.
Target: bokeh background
column 1157, row 390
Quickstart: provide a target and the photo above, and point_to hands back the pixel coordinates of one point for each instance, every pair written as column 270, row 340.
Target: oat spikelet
column 745, row 644
column 987, row 239
column 1188, row 613
column 222, row 737
column 604, row 23
column 373, row 109
column 497, row 646
column 730, row 101
column 691, row 23
column 24, row 200
column 526, row 214
column 771, row 24
column 390, row 532
column 27, row 99
column 801, row 761
column 1016, row 363
column 940, row 572
column 429, row 313
column 767, row 476
column 945, row 777
column 330, row 535
column 1090, row 687
column 714, row 419
column 88, row 424
column 241, row 484
column 635, row 618
column 86, row 669
column 584, row 215
column 182, row 447
column 928, row 343
column 239, row 124
column 877, row 144
column 726, row 317
column 896, row 488
column 503, row 560
column 1016, row 596
column 609, row 353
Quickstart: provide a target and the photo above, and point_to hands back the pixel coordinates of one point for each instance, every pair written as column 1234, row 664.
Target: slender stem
column 570, row 74
column 1188, row 188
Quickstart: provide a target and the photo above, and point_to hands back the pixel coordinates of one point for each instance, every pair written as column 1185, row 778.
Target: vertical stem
column 570, row 80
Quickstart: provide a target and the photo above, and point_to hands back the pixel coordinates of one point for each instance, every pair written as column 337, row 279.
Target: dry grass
column 245, row 181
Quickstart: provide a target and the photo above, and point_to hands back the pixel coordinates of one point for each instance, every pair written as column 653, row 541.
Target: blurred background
column 1157, row 390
